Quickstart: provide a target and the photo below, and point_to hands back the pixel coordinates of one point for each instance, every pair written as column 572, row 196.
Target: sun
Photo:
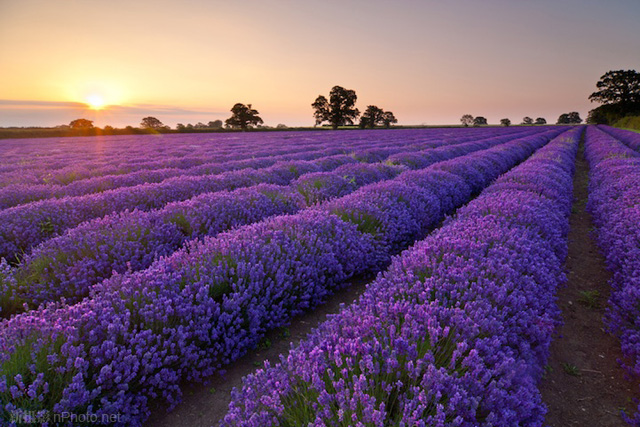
column 95, row 101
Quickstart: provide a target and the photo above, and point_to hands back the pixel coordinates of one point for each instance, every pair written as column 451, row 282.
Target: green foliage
column 590, row 299
column 505, row 122
column 365, row 223
column 629, row 122
column 527, row 120
column 183, row 224
column 46, row 227
column 571, row 369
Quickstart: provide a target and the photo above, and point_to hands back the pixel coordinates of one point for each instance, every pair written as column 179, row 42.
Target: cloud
column 31, row 103
column 21, row 112
column 160, row 109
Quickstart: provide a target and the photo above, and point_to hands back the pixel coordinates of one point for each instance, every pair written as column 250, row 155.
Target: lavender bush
column 68, row 265
column 614, row 196
column 455, row 332
column 189, row 314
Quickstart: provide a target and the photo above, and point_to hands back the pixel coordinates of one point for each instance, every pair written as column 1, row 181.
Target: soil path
column 583, row 384
column 204, row 405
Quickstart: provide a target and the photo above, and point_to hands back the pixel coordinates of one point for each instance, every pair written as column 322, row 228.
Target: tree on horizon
column 527, row 120
column 151, row 123
column 244, row 117
column 505, row 122
column 466, row 120
column 479, row 121
column 338, row 110
column 374, row 116
column 81, row 124
column 619, row 93
column 541, row 121
column 572, row 118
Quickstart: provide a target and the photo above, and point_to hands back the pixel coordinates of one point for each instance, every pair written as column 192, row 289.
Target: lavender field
column 131, row 265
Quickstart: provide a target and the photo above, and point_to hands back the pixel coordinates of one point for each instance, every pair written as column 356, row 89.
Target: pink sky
column 429, row 62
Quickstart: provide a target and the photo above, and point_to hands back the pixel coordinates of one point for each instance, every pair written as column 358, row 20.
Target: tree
column 618, row 87
column 541, row 121
column 374, row 116
column 619, row 94
column 339, row 110
column 371, row 117
column 466, row 120
column 388, row 118
column 569, row 118
column 505, row 122
column 244, row 117
column 81, row 124
column 527, row 120
column 216, row 124
column 151, row 123
column 479, row 121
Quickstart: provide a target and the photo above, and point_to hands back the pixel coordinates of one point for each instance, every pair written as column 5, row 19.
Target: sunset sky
column 189, row 61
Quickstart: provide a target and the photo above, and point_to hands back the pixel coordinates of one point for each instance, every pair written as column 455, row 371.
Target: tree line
column 567, row 118
column 618, row 92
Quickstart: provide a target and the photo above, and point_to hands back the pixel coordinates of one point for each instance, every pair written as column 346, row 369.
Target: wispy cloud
column 26, row 112
column 160, row 109
column 8, row 103
column 133, row 108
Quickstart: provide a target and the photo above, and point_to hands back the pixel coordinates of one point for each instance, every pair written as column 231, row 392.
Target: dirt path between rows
column 204, row 405
column 584, row 385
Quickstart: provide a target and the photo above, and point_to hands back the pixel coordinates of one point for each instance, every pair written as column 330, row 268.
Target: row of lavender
column 455, row 332
column 13, row 195
column 25, row 226
column 190, row 314
column 18, row 194
column 83, row 159
column 54, row 160
column 631, row 139
column 68, row 265
column 614, row 202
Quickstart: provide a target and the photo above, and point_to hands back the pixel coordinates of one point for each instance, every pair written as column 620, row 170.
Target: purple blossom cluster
column 69, row 160
column 631, row 139
column 25, row 226
column 614, row 202
column 455, row 333
column 18, row 194
column 68, row 265
column 189, row 314
column 62, row 161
